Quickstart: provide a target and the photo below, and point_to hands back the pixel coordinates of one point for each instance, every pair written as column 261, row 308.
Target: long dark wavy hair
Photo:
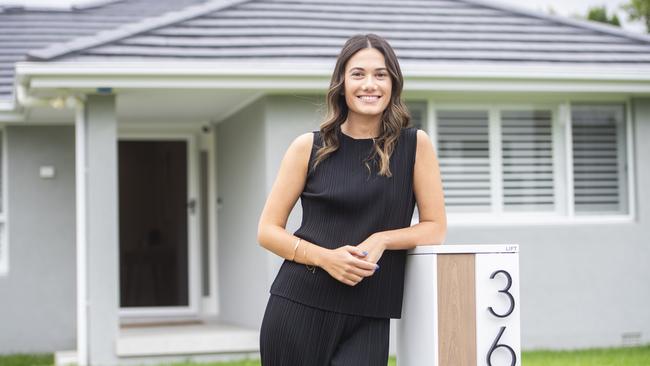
column 395, row 117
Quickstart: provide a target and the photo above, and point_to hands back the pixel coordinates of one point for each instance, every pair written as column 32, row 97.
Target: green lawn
column 629, row 356
column 27, row 360
column 391, row 362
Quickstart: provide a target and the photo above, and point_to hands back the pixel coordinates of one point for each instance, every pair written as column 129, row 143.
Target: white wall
column 287, row 117
column 241, row 184
column 583, row 285
column 38, row 295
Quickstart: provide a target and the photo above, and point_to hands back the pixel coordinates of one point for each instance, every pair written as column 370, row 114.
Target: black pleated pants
column 293, row 334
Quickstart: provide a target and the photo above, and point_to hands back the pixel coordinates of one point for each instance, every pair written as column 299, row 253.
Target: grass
column 391, row 362
column 27, row 360
column 627, row 356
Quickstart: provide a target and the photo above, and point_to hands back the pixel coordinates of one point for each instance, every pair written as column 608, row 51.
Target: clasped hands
column 351, row 264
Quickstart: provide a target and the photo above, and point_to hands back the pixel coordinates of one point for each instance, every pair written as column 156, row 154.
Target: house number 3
column 496, row 344
column 505, row 291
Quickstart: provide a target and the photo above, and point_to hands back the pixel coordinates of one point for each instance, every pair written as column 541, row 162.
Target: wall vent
column 631, row 339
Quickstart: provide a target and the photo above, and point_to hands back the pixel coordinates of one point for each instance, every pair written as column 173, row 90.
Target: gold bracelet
column 311, row 269
column 295, row 247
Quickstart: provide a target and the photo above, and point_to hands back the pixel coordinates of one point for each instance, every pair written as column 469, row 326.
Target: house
column 140, row 139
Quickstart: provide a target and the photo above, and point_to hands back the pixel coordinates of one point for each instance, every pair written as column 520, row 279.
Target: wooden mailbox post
column 461, row 307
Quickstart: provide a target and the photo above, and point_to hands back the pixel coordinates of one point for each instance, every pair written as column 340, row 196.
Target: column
column 97, row 231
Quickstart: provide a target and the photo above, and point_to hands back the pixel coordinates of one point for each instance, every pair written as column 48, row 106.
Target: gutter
column 19, row 108
column 88, row 77
column 10, row 112
column 59, row 102
column 251, row 70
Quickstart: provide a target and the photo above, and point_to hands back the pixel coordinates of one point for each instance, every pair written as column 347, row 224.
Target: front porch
column 173, row 342
column 134, row 305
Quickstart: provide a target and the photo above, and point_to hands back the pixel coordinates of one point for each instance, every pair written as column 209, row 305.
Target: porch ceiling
column 161, row 106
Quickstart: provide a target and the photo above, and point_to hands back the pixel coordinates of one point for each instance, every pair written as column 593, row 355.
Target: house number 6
column 496, row 345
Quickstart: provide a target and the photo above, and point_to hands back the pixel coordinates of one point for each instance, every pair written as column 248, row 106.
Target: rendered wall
column 241, row 178
column 38, row 296
column 583, row 285
column 287, row 118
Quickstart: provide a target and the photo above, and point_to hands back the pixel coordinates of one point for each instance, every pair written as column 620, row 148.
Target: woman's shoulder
column 304, row 141
column 298, row 152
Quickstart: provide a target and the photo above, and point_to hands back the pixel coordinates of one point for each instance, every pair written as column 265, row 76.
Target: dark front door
column 153, row 223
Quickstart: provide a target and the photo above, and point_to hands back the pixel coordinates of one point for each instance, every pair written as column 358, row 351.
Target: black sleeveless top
column 343, row 204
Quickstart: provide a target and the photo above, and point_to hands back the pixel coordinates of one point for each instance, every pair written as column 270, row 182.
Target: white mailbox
column 461, row 307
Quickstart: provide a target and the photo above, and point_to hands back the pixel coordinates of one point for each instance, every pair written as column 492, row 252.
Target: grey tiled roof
column 421, row 31
column 24, row 29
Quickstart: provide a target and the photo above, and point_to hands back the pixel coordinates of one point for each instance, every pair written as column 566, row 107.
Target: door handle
column 191, row 206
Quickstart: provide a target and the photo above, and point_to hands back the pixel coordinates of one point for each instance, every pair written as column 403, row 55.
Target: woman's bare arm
column 289, row 183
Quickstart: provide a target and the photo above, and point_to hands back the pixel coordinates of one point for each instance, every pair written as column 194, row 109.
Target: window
column 599, row 163
column 527, row 160
column 533, row 160
column 418, row 112
column 464, row 159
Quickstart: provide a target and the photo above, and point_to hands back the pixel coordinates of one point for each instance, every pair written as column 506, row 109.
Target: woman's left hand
column 374, row 246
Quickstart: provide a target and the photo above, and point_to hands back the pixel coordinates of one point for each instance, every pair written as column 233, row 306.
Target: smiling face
column 367, row 83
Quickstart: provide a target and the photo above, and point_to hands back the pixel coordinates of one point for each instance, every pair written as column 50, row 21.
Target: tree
column 551, row 10
column 638, row 10
column 599, row 14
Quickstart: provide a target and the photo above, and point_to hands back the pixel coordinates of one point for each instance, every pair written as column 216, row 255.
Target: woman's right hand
column 345, row 265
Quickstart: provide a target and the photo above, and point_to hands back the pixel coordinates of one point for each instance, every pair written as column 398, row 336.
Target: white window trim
column 4, row 217
column 629, row 143
column 537, row 219
column 631, row 161
column 564, row 213
column 496, row 161
column 565, row 122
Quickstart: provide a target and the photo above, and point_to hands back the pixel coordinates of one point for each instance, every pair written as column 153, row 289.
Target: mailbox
column 461, row 306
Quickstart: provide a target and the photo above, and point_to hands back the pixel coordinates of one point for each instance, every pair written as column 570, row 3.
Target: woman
column 359, row 178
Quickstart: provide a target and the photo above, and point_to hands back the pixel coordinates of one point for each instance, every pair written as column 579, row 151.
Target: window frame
column 621, row 139
column 4, row 221
column 564, row 206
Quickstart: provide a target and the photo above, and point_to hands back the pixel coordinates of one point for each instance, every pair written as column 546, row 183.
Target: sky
column 561, row 7
column 571, row 7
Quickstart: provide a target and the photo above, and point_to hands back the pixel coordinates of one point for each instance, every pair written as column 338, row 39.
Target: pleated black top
column 343, row 204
